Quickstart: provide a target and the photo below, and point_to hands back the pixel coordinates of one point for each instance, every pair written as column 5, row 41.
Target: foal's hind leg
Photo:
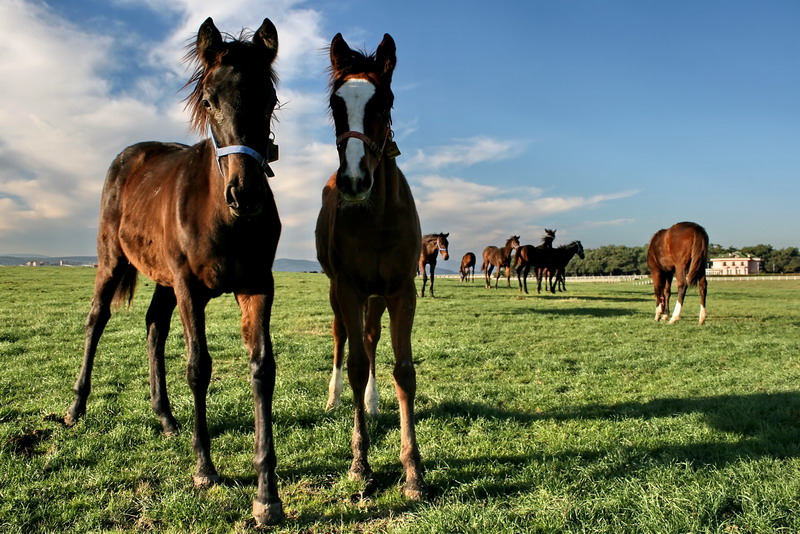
column 109, row 276
column 158, row 319
column 339, row 339
column 372, row 334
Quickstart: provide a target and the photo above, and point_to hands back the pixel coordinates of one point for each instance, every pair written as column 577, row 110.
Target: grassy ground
column 567, row 413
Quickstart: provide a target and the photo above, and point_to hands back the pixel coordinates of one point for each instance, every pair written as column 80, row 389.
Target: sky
column 605, row 120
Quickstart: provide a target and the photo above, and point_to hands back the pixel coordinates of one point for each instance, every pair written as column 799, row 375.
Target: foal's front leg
column 256, row 311
column 372, row 334
column 402, row 307
column 351, row 304
column 198, row 373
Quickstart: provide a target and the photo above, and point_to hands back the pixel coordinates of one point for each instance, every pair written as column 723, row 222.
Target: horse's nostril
column 230, row 197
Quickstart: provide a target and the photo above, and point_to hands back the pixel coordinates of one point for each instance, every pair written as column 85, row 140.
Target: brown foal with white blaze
column 368, row 243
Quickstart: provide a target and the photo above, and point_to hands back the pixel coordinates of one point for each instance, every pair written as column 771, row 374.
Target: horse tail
column 126, row 288
column 697, row 268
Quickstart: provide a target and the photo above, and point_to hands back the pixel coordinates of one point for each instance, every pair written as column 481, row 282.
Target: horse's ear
column 340, row 53
column 266, row 38
column 447, row 234
column 386, row 56
column 209, row 42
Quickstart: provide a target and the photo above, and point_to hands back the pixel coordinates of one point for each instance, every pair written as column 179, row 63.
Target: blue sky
column 606, row 120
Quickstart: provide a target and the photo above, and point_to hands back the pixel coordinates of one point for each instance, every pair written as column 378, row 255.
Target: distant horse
column 431, row 245
column 468, row 267
column 557, row 260
column 200, row 221
column 368, row 242
column 680, row 251
column 499, row 257
column 529, row 257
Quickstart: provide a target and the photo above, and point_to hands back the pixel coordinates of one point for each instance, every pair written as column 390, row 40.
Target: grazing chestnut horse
column 368, row 242
column 468, row 267
column 499, row 257
column 200, row 221
column 431, row 244
column 680, row 251
column 556, row 261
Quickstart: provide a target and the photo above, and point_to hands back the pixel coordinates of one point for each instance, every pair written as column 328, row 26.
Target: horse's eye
column 206, row 104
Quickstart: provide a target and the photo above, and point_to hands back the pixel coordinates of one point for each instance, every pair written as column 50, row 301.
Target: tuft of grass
column 535, row 413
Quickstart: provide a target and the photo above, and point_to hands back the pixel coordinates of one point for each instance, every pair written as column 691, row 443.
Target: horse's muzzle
column 243, row 203
column 354, row 189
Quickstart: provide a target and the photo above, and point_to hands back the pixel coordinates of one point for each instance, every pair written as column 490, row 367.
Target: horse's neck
column 569, row 251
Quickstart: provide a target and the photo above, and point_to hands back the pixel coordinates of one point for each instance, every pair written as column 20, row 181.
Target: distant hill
column 281, row 264
column 285, row 265
column 22, row 259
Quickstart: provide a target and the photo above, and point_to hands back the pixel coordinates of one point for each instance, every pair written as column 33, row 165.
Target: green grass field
column 566, row 413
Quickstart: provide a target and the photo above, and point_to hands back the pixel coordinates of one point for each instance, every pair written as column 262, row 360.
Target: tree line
column 622, row 260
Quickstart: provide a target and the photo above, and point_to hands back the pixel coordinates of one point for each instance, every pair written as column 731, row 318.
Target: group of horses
column 201, row 221
column 547, row 262
column 680, row 251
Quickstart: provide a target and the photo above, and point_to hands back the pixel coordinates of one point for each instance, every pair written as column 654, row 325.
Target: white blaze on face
column 355, row 93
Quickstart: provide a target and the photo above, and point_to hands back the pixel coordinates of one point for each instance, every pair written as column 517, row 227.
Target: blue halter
column 241, row 149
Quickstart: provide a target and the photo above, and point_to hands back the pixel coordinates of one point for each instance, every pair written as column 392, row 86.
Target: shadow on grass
column 767, row 424
column 576, row 311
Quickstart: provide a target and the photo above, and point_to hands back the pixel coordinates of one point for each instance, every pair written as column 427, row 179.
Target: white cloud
column 614, row 222
column 63, row 122
column 464, row 152
column 481, row 215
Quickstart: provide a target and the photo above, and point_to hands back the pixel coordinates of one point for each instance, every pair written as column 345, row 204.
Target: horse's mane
column 427, row 237
column 235, row 51
column 568, row 245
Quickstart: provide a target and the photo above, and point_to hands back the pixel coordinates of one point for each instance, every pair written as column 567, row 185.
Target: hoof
column 415, row 490
column 360, row 474
column 331, row 404
column 170, row 427
column 75, row 412
column 268, row 514
column 205, row 481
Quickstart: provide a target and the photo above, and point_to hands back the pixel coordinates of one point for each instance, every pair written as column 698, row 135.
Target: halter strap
column 378, row 150
column 241, row 149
